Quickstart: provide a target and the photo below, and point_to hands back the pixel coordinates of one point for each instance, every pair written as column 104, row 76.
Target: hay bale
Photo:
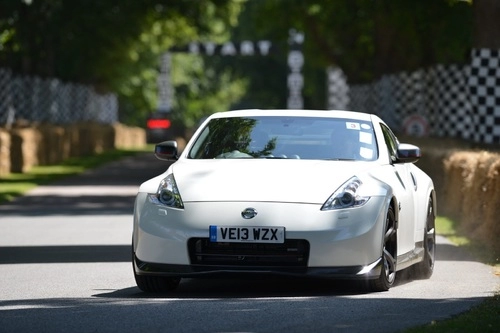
column 139, row 137
column 129, row 136
column 84, row 139
column 94, row 138
column 459, row 168
column 24, row 147
column 122, row 138
column 104, row 138
column 72, row 139
column 4, row 152
column 53, row 148
column 477, row 191
column 473, row 193
column 490, row 228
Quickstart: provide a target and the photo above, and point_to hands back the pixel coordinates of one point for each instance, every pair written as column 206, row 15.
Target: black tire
column 425, row 268
column 389, row 254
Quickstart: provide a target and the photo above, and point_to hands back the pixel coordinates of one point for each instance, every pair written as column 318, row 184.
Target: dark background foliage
column 115, row 45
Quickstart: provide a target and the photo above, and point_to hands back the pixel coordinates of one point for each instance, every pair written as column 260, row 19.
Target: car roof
column 295, row 113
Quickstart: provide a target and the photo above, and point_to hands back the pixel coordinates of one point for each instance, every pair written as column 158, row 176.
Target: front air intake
column 291, row 253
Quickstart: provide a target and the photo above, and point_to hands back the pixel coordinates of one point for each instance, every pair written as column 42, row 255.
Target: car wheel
column 154, row 284
column 425, row 268
column 389, row 252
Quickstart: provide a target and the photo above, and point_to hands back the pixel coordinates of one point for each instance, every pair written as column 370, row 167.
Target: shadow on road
column 64, row 254
column 288, row 309
column 122, row 253
column 115, row 186
column 255, row 287
column 52, row 205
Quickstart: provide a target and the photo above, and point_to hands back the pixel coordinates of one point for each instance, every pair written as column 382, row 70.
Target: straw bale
column 129, row 136
column 459, row 168
column 94, row 138
column 4, row 152
column 473, row 194
column 123, row 137
column 53, row 148
column 24, row 146
column 478, row 190
column 139, row 137
column 104, row 138
column 72, row 140
column 490, row 229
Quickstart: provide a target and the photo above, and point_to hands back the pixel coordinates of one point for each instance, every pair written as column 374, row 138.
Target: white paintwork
column 288, row 193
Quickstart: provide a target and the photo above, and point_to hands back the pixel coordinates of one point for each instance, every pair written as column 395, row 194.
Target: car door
column 403, row 183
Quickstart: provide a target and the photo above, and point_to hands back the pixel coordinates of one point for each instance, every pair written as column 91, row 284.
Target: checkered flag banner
column 484, row 91
column 461, row 101
column 448, row 101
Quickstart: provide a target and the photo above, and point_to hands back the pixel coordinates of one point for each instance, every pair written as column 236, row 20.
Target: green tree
column 202, row 88
column 486, row 24
column 114, row 45
column 365, row 38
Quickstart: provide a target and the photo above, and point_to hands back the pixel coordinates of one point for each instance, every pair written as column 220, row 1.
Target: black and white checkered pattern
column 400, row 96
column 484, row 91
column 449, row 104
column 455, row 100
column 362, row 98
column 393, row 98
column 338, row 89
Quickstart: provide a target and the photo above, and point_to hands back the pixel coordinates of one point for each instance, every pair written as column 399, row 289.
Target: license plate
column 247, row 234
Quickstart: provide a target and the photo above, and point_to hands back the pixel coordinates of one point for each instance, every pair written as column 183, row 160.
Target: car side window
column 390, row 141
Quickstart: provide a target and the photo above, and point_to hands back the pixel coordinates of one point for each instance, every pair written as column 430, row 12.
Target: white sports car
column 329, row 194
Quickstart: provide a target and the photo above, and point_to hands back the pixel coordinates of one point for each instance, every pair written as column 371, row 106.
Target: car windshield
column 286, row 137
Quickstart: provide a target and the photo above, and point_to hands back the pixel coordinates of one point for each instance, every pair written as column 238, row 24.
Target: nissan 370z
column 327, row 194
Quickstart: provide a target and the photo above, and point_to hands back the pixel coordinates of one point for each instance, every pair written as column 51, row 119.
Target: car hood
column 298, row 181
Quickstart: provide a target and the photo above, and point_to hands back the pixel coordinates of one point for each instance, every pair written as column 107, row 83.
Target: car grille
column 291, row 253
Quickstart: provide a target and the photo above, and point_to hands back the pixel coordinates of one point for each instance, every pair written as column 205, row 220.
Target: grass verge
column 16, row 184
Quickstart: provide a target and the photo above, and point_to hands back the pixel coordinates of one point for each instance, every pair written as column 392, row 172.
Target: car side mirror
column 407, row 153
column 166, row 150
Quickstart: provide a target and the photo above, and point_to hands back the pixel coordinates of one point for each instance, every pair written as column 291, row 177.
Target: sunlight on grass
column 451, row 230
column 483, row 318
column 447, row 227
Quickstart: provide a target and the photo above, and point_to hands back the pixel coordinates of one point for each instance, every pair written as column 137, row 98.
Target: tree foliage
column 202, row 88
column 115, row 45
column 365, row 38
column 486, row 24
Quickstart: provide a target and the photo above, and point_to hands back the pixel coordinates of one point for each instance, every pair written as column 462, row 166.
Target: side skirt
column 412, row 257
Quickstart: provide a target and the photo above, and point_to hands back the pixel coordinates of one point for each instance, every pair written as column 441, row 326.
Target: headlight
column 347, row 196
column 168, row 193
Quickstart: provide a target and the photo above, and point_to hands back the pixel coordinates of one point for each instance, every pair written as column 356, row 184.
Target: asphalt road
column 65, row 267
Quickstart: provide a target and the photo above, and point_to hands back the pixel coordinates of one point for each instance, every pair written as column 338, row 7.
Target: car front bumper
column 340, row 243
column 367, row 272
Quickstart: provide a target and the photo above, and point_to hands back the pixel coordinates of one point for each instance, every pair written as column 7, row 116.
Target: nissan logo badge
column 249, row 213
